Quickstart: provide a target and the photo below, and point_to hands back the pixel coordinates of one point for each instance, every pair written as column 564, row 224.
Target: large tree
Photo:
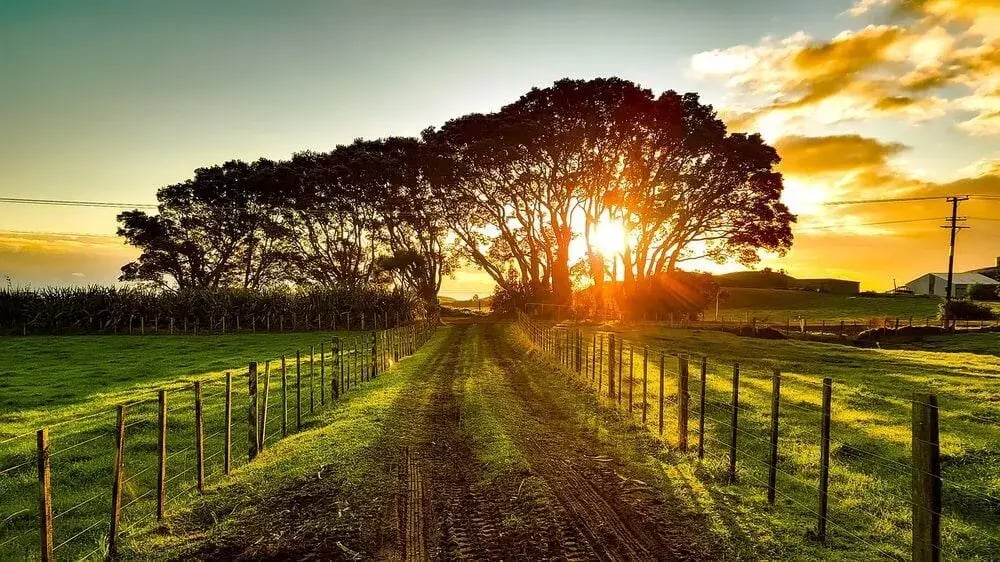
column 417, row 245
column 487, row 201
column 363, row 214
column 701, row 194
column 216, row 229
column 332, row 221
column 562, row 160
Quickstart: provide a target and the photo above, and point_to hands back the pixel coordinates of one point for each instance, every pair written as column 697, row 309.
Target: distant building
column 937, row 284
column 991, row 272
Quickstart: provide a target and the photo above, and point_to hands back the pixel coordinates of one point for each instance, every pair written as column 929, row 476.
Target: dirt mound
column 760, row 332
column 921, row 331
column 877, row 334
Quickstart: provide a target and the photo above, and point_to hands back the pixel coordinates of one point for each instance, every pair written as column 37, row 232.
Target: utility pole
column 954, row 226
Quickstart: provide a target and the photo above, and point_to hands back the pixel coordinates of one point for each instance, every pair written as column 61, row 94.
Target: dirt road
column 486, row 463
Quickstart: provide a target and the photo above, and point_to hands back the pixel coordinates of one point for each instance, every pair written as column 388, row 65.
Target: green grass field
column 61, row 382
column 870, row 474
column 778, row 305
column 73, row 384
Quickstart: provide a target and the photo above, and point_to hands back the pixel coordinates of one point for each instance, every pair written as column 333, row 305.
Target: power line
column 832, row 226
column 891, row 200
column 70, row 203
column 47, row 233
column 986, row 196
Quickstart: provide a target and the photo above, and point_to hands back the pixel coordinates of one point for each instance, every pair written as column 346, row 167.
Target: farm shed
column 937, row 283
column 991, row 272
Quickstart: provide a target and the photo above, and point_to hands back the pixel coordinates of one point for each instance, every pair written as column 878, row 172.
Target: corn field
column 118, row 310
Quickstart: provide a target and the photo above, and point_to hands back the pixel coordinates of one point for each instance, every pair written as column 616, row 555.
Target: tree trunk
column 562, row 287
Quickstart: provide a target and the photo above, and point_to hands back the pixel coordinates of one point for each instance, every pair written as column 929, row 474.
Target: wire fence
column 852, row 469
column 163, row 324
column 80, row 491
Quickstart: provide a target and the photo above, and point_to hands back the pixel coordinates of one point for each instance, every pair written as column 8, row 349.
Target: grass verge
column 870, row 475
column 72, row 385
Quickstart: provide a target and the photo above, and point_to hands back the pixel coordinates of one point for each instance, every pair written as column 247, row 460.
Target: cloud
column 943, row 58
column 830, row 169
column 56, row 259
column 984, row 167
column 807, row 156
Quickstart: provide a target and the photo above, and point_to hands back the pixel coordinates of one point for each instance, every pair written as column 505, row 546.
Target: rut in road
column 619, row 523
column 444, row 512
column 569, row 505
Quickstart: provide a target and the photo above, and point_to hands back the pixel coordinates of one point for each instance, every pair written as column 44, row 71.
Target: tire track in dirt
column 593, row 503
column 457, row 519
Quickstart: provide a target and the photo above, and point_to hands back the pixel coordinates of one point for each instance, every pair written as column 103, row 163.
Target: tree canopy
column 516, row 192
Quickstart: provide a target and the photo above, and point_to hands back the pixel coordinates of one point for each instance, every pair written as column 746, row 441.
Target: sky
column 864, row 99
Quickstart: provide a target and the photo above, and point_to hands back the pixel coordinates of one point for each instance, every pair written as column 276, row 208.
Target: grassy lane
column 597, row 465
column 513, row 462
column 322, row 492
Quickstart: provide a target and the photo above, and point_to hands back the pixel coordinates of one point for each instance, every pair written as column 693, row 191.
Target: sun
column 609, row 237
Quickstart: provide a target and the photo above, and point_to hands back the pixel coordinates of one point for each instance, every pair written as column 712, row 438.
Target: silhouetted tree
column 216, row 229
column 493, row 211
column 510, row 189
column 560, row 160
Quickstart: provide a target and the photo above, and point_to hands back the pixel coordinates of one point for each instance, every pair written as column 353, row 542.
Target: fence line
column 754, row 435
column 160, row 324
column 147, row 468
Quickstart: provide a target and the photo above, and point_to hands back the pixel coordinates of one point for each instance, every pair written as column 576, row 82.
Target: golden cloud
column 807, row 156
column 58, row 259
column 877, row 71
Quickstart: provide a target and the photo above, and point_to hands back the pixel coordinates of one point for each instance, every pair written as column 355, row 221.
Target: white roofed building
column 937, row 284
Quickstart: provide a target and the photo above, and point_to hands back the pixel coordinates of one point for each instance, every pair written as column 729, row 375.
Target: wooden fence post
column 312, row 374
column 600, row 365
column 734, row 421
column 322, row 373
column 772, row 474
column 593, row 357
column 284, row 398
column 621, row 367
column 334, row 377
column 44, row 495
column 116, row 484
column 341, row 367
column 161, row 449
column 683, row 400
column 824, row 458
column 252, row 445
column 645, row 382
column 701, row 408
column 263, row 404
column 373, row 367
column 631, row 379
column 926, row 495
column 199, row 437
column 662, row 375
column 298, row 390
column 227, row 453
column 611, row 365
